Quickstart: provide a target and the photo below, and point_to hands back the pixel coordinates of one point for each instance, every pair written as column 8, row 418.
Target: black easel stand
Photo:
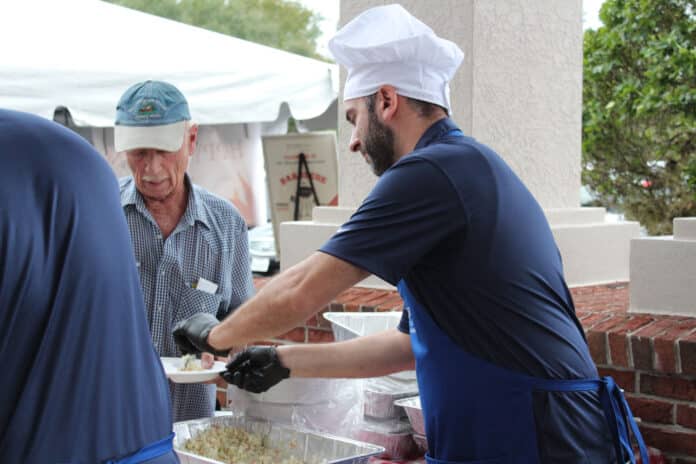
column 302, row 164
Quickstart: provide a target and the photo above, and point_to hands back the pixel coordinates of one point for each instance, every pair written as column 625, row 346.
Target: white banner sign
column 296, row 187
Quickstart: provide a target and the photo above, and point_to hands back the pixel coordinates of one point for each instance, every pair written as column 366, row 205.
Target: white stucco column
column 519, row 90
column 663, row 272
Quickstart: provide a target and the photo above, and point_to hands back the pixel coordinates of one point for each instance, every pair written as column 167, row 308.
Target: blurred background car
column 264, row 259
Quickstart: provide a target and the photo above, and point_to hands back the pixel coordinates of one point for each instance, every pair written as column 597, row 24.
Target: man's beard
column 379, row 145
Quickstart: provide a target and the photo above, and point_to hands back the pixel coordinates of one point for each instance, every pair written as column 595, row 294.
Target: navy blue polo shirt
column 457, row 224
column 80, row 379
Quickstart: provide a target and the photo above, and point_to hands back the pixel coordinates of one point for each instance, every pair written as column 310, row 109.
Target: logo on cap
column 148, row 109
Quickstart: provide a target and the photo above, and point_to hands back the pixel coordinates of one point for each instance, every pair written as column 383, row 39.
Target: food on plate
column 190, row 363
column 234, row 445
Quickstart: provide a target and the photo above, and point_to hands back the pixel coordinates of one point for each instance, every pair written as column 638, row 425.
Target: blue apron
column 478, row 413
column 151, row 451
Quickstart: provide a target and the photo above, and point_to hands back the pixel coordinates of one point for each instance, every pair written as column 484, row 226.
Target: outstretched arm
column 368, row 356
column 287, row 300
column 258, row 368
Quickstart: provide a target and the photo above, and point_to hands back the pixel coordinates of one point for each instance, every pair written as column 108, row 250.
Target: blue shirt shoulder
column 71, row 306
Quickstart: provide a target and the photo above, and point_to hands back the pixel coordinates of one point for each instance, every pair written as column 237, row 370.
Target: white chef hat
column 387, row 45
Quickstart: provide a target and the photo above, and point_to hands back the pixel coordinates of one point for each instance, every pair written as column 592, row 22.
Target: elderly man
column 504, row 371
column 80, row 380
column 190, row 245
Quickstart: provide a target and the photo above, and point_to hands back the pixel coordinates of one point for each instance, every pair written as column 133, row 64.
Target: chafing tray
column 414, row 412
column 379, row 395
column 393, row 435
column 310, row 447
column 422, row 442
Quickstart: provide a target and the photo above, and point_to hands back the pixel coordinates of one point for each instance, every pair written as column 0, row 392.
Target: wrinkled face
column 159, row 174
column 373, row 139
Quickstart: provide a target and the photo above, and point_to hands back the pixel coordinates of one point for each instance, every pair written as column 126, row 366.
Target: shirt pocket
column 194, row 301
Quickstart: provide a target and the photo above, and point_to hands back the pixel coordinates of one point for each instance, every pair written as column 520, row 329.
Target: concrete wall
column 594, row 251
column 518, row 90
column 663, row 272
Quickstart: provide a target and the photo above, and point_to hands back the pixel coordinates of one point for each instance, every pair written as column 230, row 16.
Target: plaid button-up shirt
column 209, row 242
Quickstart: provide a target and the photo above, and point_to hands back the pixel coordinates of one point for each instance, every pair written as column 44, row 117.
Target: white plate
column 172, row 366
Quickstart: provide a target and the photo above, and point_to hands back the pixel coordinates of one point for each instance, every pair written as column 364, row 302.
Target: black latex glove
column 191, row 335
column 256, row 369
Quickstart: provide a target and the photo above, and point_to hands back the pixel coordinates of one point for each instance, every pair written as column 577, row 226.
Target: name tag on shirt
column 260, row 264
column 206, row 286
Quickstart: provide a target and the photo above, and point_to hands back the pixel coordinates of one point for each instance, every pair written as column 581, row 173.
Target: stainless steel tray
column 393, row 435
column 379, row 395
column 310, row 447
column 422, row 442
column 414, row 412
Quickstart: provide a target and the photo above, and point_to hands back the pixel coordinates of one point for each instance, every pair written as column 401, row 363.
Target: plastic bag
column 323, row 405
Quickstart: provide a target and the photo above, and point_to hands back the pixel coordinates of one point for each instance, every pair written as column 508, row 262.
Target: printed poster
column 282, row 161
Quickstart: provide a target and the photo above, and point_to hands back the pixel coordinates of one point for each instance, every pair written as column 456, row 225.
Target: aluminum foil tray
column 394, row 435
column 380, row 405
column 350, row 325
column 414, row 412
column 310, row 447
column 422, row 442
column 379, row 396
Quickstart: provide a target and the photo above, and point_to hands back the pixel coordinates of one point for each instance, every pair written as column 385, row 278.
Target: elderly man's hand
column 256, row 369
column 191, row 335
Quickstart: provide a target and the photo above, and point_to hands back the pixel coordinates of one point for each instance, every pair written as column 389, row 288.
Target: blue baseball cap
column 151, row 114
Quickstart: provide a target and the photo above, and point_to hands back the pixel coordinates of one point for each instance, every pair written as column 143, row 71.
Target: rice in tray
column 285, row 444
column 234, row 445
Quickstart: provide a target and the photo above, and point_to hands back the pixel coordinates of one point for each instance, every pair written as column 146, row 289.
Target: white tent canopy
column 83, row 54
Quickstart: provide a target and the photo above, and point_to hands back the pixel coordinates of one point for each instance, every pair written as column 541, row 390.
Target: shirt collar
column 130, row 194
column 195, row 208
column 434, row 132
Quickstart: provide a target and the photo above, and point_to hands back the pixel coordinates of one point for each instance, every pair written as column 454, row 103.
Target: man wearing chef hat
column 504, row 371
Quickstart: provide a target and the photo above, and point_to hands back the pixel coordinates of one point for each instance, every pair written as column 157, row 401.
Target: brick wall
column 652, row 357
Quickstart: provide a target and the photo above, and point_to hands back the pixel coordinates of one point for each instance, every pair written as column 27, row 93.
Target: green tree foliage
column 281, row 24
column 639, row 110
column 691, row 171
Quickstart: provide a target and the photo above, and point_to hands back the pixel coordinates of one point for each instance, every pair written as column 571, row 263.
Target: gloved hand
column 191, row 335
column 256, row 369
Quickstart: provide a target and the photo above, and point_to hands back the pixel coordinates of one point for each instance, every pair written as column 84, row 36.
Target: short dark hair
column 423, row 108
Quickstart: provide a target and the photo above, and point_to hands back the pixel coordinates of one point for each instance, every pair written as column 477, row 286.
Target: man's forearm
column 261, row 317
column 369, row 356
column 286, row 301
